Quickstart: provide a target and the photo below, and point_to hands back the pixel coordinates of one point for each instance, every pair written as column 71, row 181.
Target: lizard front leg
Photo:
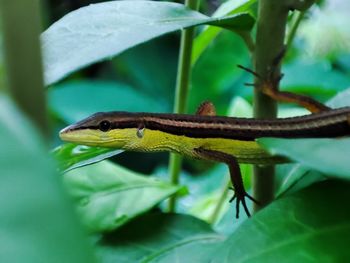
column 235, row 174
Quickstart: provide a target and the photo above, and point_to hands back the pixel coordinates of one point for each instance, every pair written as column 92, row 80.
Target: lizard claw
column 240, row 198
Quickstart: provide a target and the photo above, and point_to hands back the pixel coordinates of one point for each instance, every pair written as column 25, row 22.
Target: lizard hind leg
column 243, row 202
column 206, row 108
column 235, row 174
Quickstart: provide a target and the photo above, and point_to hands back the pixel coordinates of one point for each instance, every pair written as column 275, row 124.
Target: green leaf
column 294, row 177
column 205, row 206
column 141, row 65
column 160, row 238
column 231, row 7
column 239, row 107
column 37, row 221
column 329, row 156
column 314, row 79
column 312, row 225
column 100, row 31
column 76, row 100
column 215, row 76
column 71, row 156
column 108, row 195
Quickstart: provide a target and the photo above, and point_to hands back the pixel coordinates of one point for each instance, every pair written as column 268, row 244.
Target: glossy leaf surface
column 101, row 31
column 108, row 195
column 310, row 226
column 70, row 156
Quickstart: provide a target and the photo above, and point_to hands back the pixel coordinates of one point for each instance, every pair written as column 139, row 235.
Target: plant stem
column 181, row 95
column 272, row 17
column 221, row 202
column 24, row 74
column 270, row 35
column 175, row 163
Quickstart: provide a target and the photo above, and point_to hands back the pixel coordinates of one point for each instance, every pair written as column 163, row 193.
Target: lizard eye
column 104, row 126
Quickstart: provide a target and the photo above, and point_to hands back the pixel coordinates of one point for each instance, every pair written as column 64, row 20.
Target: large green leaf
column 330, row 156
column 37, row 221
column 160, row 238
column 100, row 31
column 312, row 225
column 108, row 195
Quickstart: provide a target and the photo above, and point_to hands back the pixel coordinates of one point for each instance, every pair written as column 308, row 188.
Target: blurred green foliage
column 38, row 220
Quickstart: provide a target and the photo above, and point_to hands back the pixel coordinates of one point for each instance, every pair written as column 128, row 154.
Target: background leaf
column 310, row 226
column 215, row 76
column 108, row 195
column 318, row 80
column 294, row 177
column 330, row 156
column 76, row 100
column 160, row 238
column 140, row 66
